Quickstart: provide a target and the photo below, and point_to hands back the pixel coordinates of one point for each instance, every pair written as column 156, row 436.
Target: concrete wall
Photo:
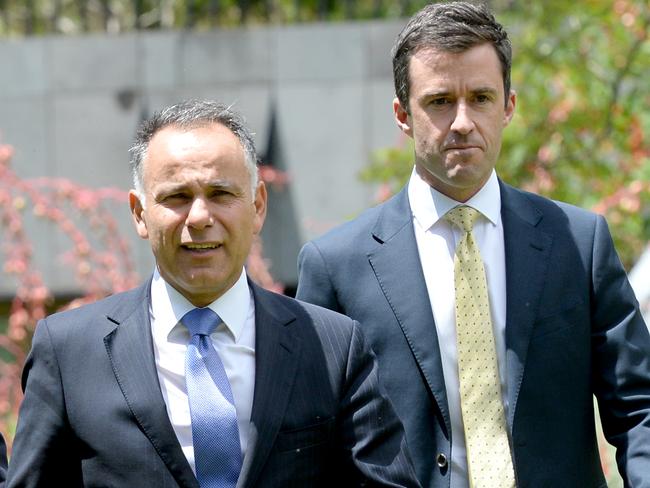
column 70, row 105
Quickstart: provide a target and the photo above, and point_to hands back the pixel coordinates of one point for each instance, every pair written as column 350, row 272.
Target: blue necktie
column 217, row 451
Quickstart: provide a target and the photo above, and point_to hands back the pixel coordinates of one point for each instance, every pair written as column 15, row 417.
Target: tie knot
column 201, row 321
column 463, row 217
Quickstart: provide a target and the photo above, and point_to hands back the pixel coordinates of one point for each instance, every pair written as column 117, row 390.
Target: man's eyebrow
column 221, row 185
column 170, row 187
column 433, row 94
column 446, row 93
column 485, row 89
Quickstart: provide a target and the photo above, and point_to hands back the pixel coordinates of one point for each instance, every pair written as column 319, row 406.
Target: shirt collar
column 168, row 306
column 429, row 205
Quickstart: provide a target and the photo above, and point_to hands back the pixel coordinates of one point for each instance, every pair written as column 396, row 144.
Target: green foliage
column 36, row 17
column 581, row 132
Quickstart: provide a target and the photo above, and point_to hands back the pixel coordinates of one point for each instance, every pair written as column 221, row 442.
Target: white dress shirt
column 436, row 241
column 234, row 340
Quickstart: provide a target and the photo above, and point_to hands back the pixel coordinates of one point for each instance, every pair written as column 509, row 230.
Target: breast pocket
column 565, row 319
column 305, row 437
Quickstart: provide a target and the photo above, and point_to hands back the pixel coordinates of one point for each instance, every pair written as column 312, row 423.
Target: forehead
column 478, row 65
column 180, row 141
column 211, row 145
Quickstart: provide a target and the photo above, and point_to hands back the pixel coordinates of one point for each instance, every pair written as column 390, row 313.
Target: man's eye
column 174, row 197
column 440, row 101
column 217, row 194
column 482, row 98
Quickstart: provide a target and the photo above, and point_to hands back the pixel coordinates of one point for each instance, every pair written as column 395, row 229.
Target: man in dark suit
column 199, row 377
column 3, row 461
column 562, row 321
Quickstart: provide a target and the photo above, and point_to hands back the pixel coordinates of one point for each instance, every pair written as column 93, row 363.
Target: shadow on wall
column 280, row 235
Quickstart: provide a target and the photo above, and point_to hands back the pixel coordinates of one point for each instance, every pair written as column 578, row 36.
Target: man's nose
column 199, row 215
column 463, row 122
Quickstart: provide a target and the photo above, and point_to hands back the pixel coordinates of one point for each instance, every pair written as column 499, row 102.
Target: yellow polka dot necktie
column 488, row 453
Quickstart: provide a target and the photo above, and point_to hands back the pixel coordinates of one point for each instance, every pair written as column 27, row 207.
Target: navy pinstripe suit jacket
column 93, row 413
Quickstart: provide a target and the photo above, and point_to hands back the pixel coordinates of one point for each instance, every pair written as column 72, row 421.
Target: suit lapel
column 130, row 350
column 527, row 251
column 396, row 263
column 277, row 353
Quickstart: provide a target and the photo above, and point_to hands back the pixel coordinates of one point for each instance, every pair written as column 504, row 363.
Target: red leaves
column 97, row 254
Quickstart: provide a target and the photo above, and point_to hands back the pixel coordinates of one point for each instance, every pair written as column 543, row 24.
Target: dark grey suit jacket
column 94, row 416
column 573, row 329
column 3, row 461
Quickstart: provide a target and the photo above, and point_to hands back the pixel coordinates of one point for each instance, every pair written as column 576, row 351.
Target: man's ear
column 510, row 108
column 137, row 212
column 260, row 206
column 402, row 118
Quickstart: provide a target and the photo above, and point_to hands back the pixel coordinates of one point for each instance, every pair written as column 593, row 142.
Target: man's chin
column 201, row 288
column 202, row 297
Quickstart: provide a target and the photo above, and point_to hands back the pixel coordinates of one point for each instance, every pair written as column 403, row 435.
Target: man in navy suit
column 565, row 322
column 3, row 461
column 110, row 388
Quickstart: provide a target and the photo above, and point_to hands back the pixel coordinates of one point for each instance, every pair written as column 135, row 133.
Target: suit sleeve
column 314, row 284
column 3, row 461
column 44, row 451
column 621, row 347
column 372, row 435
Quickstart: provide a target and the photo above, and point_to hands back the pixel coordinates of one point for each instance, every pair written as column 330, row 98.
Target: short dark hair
column 452, row 27
column 191, row 114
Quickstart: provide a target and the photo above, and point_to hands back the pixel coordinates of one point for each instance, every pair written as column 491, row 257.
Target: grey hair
column 452, row 27
column 190, row 114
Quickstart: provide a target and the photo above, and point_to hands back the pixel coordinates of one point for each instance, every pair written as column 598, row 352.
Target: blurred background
column 314, row 80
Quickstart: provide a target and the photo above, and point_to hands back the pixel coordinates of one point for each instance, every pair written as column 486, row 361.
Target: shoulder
column 305, row 315
column 553, row 213
column 356, row 234
column 283, row 306
column 109, row 310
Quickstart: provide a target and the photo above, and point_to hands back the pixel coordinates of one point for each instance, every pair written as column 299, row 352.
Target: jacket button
column 441, row 460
